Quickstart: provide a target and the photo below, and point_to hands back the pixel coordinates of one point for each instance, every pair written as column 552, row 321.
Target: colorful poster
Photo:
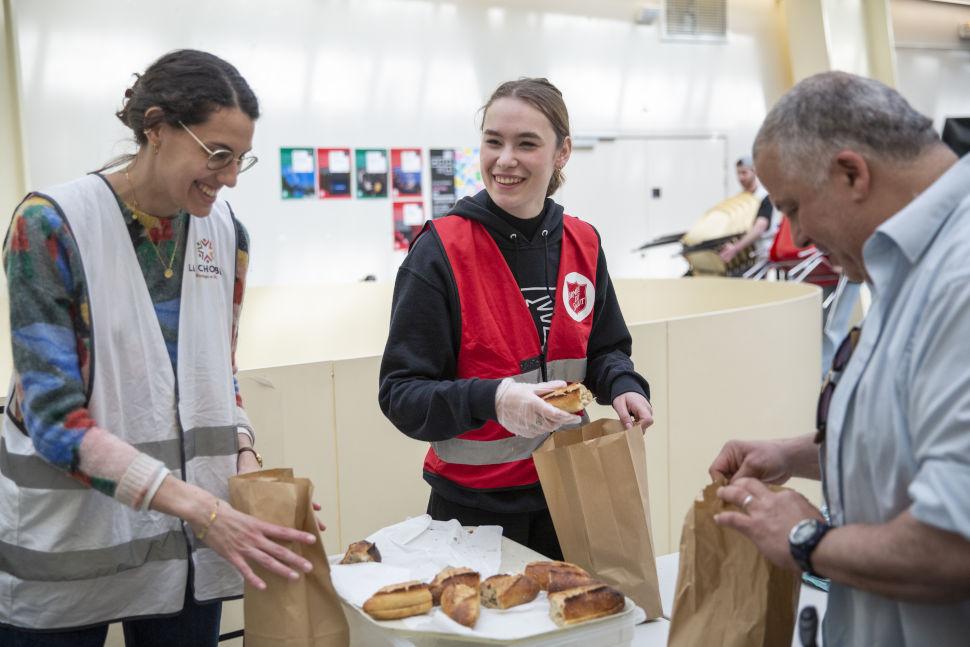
column 406, row 173
column 408, row 220
column 468, row 175
column 297, row 173
column 442, row 161
column 334, row 165
column 371, row 164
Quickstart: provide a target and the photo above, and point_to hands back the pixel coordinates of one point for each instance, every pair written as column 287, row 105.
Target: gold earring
column 155, row 147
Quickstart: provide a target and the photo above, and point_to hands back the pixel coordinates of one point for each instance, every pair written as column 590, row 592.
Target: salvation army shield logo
column 578, row 295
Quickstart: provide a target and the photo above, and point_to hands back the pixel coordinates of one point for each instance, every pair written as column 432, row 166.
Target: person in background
column 497, row 303
column 763, row 220
column 866, row 179
column 125, row 423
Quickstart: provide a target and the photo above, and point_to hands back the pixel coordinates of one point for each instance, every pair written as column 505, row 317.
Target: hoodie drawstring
column 545, row 268
column 515, row 262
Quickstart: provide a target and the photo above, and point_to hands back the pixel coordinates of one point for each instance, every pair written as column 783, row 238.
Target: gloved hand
column 519, row 408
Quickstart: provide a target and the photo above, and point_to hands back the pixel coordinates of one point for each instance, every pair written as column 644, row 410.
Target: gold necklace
column 136, row 211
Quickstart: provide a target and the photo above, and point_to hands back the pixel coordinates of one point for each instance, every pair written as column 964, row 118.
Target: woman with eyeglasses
column 125, row 423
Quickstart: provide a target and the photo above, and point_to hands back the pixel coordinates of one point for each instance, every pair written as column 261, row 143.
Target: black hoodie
column 418, row 389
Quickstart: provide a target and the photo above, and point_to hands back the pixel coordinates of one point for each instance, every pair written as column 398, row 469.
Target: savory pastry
column 572, row 398
column 584, row 603
column 399, row 601
column 461, row 603
column 361, row 551
column 505, row 591
column 539, row 571
column 451, row 575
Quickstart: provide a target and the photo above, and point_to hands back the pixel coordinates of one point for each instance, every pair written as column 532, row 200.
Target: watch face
column 803, row 531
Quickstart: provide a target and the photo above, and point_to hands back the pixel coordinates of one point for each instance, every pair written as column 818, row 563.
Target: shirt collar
column 914, row 227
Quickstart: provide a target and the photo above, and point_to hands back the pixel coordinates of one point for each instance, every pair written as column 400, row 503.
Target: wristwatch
column 259, row 459
column 802, row 540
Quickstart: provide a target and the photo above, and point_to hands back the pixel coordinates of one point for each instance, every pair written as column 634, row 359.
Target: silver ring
column 747, row 500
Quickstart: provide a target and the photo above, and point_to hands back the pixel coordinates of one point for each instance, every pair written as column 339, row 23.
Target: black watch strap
column 802, row 551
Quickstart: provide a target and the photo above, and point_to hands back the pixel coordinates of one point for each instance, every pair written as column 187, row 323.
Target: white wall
column 385, row 73
column 933, row 65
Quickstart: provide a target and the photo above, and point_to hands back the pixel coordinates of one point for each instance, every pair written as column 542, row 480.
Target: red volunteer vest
column 498, row 333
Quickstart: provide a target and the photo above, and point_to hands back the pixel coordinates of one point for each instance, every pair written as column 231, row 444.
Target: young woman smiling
column 497, row 303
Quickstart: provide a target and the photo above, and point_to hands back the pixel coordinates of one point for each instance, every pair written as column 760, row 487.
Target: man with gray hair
column 864, row 177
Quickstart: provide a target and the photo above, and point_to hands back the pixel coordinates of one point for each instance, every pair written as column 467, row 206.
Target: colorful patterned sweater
column 51, row 335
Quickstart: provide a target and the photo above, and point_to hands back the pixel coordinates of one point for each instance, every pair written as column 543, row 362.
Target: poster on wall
column 442, row 161
column 297, row 173
column 406, row 173
column 371, row 164
column 334, row 172
column 468, row 175
column 408, row 220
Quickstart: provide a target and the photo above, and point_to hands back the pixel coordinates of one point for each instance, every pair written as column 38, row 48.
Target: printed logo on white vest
column 578, row 295
column 205, row 266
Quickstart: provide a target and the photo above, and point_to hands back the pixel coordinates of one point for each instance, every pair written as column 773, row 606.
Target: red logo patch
column 577, row 296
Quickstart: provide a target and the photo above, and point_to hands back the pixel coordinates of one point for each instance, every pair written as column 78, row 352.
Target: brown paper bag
column 595, row 482
column 301, row 613
column 726, row 588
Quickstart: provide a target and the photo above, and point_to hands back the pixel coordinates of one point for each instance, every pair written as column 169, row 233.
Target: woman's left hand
column 633, row 408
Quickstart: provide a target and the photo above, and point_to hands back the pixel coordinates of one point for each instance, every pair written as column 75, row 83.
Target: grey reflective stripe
column 487, row 452
column 569, row 370
column 32, row 471
column 532, row 377
column 42, row 566
column 210, row 441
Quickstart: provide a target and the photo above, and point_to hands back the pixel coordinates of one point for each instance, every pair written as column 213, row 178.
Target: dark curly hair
column 187, row 85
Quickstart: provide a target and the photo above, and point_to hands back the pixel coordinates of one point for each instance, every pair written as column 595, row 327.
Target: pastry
column 361, row 551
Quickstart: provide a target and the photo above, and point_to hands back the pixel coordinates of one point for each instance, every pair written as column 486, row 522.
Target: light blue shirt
column 899, row 422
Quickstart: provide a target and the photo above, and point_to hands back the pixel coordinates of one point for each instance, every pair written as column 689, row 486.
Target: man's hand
column 728, row 252
column 765, row 460
column 766, row 517
column 632, row 408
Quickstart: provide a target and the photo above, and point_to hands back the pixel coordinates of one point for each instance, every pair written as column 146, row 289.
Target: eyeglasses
column 221, row 158
column 839, row 362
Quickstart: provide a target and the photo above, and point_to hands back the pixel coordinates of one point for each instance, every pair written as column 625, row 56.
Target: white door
column 634, row 190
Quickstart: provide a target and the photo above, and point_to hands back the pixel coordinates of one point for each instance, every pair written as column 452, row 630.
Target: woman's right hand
column 522, row 412
column 241, row 539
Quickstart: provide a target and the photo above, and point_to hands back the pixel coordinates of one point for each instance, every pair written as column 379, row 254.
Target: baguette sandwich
column 571, row 398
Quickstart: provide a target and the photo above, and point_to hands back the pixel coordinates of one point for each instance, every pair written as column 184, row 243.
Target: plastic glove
column 519, row 408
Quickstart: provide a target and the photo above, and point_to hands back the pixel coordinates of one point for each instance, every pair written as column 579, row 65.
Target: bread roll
column 560, row 580
column 505, row 591
column 451, row 575
column 584, row 603
column 461, row 603
column 572, row 398
column 361, row 551
column 539, row 571
column 399, row 601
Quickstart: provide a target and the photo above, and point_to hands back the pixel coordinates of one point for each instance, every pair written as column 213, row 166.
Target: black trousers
column 531, row 529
